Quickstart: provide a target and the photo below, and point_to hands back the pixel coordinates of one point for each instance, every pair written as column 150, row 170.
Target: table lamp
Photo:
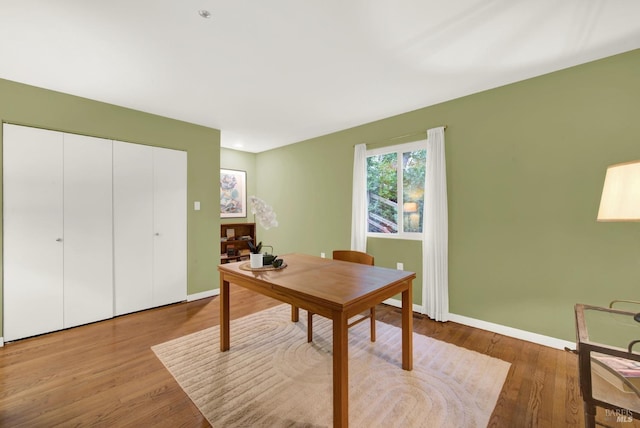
column 621, row 195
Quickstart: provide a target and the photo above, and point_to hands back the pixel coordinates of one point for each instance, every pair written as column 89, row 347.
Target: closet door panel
column 133, row 226
column 32, row 237
column 88, row 230
column 170, row 226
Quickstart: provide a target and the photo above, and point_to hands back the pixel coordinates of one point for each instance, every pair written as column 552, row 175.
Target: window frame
column 399, row 149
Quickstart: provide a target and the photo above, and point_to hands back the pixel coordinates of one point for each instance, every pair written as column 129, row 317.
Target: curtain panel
column 359, row 201
column 435, row 242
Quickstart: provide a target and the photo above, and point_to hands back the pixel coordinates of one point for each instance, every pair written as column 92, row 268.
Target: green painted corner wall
column 31, row 106
column 525, row 168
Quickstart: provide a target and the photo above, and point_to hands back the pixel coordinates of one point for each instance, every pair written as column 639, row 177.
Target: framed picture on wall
column 233, row 193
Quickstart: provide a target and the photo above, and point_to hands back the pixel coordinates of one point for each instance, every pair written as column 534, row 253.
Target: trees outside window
column 395, row 190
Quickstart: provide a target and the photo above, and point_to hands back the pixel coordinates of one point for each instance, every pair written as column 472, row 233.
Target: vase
column 256, row 260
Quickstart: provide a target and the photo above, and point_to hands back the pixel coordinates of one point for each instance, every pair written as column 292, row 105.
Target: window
column 395, row 190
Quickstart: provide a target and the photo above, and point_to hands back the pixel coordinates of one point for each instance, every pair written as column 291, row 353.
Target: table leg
column 340, row 370
column 225, row 341
column 295, row 313
column 407, row 328
column 589, row 415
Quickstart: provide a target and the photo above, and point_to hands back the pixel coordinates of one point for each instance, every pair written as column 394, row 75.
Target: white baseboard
column 203, row 295
column 398, row 304
column 540, row 339
column 1, row 342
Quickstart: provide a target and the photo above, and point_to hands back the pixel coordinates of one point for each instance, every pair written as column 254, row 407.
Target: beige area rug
column 272, row 377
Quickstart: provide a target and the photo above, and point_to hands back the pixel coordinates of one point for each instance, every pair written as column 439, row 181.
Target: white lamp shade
column 621, row 193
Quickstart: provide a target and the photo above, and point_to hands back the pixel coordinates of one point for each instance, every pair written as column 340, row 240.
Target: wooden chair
column 354, row 257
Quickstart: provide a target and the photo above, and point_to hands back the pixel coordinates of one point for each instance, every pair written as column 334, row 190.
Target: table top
column 333, row 282
column 607, row 327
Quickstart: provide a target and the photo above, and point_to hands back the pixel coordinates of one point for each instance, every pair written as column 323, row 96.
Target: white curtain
column 435, row 241
column 359, row 204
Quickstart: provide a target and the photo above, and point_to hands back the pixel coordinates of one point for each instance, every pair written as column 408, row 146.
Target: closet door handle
column 59, row 240
column 157, row 234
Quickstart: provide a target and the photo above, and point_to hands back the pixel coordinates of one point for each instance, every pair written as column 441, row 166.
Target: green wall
column 525, row 168
column 28, row 105
column 242, row 161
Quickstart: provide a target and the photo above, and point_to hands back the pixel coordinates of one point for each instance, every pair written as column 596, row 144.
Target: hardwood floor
column 105, row 374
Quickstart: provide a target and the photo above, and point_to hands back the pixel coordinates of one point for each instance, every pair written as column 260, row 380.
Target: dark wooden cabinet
column 234, row 241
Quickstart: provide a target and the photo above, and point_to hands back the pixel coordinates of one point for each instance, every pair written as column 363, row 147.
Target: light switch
column 196, row 205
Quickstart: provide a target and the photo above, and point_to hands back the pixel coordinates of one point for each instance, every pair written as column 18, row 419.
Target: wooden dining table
column 331, row 288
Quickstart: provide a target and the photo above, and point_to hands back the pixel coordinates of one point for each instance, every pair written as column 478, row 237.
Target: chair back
column 353, row 256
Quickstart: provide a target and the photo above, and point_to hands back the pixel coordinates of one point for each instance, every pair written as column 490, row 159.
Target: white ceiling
column 268, row 73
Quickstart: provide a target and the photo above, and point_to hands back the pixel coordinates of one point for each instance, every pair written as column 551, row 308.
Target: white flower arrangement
column 263, row 212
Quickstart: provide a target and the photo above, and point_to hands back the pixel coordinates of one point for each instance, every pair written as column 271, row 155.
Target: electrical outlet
column 400, row 266
column 322, row 255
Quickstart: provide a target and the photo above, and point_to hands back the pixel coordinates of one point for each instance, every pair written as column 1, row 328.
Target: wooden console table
column 334, row 289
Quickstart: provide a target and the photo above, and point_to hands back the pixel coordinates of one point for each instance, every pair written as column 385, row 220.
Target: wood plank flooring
column 105, row 374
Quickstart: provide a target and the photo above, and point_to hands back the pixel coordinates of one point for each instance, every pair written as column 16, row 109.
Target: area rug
column 272, row 377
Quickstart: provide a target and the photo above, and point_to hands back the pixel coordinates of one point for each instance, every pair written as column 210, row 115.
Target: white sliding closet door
column 170, row 225
column 133, row 226
column 88, row 230
column 32, row 237
column 91, row 228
